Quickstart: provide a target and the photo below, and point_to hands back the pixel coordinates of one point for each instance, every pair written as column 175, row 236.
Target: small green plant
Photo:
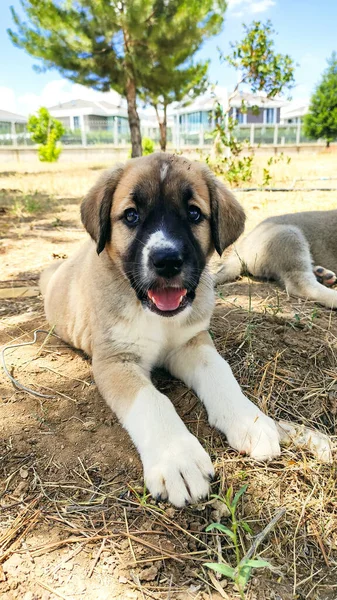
column 266, row 177
column 147, row 146
column 46, row 131
column 273, row 160
column 262, row 69
column 242, row 571
column 231, row 164
column 26, row 204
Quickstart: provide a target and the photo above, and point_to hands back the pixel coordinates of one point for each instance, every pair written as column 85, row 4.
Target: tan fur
column 285, row 248
column 90, row 301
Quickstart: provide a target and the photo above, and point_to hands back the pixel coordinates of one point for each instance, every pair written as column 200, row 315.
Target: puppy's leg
column 324, row 276
column 247, row 429
column 230, row 270
column 305, row 285
column 176, row 467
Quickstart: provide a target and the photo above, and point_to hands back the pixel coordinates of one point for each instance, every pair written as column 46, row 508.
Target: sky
column 306, row 30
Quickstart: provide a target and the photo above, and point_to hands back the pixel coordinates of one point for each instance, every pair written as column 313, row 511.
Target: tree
column 46, row 131
column 167, row 84
column 262, row 70
column 115, row 44
column 321, row 120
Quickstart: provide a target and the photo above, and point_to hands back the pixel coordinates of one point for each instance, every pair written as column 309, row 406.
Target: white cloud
column 55, row 92
column 7, row 99
column 252, row 6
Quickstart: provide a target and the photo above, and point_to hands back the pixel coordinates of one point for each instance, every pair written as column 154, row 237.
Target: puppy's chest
column 150, row 338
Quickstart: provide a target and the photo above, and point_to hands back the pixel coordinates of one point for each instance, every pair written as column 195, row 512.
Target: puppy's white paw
column 178, row 471
column 250, row 431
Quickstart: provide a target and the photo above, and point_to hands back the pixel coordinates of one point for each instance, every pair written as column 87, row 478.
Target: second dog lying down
column 288, row 248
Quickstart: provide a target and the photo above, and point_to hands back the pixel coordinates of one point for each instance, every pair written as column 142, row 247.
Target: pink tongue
column 167, row 299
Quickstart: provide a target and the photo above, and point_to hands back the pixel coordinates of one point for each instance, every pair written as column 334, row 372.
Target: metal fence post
column 252, row 128
column 178, row 134
column 298, row 132
column 83, row 132
column 275, row 134
column 13, row 133
column 201, row 136
column 116, row 131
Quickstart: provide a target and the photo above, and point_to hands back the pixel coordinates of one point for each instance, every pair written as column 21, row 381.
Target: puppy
column 139, row 294
column 286, row 248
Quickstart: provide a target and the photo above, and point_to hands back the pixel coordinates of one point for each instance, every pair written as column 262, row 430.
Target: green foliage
column 173, row 83
column 259, row 65
column 242, row 571
column 231, row 164
column 321, row 120
column 46, row 131
column 127, row 46
column 263, row 70
column 148, row 146
column 273, row 160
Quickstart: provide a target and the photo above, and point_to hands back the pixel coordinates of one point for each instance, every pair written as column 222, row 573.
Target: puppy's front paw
column 251, row 432
column 178, row 471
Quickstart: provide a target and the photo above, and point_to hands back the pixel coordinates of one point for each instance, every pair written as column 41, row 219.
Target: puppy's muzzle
column 167, row 262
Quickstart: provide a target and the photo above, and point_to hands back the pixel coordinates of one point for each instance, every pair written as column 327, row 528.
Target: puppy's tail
column 46, row 276
column 230, row 270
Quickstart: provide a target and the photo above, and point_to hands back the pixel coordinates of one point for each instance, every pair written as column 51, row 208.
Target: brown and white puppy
column 139, row 294
column 287, row 248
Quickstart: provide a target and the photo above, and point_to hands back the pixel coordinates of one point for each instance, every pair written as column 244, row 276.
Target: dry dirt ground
column 75, row 521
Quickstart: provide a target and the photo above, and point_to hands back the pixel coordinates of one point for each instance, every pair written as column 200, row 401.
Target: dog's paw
column 179, row 471
column 324, row 276
column 251, row 432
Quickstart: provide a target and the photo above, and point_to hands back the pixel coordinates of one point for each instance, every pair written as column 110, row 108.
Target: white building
column 294, row 112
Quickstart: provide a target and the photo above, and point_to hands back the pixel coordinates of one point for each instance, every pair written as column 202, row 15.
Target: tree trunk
column 162, row 141
column 162, row 127
column 328, row 143
column 134, row 122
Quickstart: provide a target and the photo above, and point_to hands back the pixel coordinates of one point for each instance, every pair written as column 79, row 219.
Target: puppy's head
column 159, row 218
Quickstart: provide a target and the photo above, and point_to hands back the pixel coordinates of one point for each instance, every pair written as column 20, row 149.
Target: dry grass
column 75, row 520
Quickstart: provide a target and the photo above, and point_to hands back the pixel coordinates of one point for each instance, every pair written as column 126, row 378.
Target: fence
column 101, row 133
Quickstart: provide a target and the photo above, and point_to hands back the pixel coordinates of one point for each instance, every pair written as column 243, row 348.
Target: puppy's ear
column 96, row 207
column 227, row 215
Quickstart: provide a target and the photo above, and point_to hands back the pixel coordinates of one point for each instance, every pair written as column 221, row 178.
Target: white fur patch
column 163, row 171
column 176, row 467
column 157, row 240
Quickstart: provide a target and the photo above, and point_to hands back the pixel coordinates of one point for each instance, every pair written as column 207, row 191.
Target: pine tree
column 321, row 120
column 116, row 44
column 170, row 84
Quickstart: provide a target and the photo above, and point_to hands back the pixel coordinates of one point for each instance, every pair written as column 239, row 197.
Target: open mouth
column 168, row 301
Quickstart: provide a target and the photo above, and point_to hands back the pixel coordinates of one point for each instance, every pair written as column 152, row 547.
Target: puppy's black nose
column 167, row 261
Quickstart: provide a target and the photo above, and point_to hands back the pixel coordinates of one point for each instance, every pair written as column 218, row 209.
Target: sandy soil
column 75, row 521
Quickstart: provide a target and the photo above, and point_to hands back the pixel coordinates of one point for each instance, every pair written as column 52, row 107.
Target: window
column 76, row 122
column 240, row 117
column 269, row 115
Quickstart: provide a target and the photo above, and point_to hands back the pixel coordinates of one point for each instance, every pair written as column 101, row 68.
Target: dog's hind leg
column 324, row 276
column 290, row 252
column 230, row 270
column 305, row 285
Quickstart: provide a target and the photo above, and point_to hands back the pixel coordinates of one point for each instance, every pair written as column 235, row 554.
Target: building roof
column 87, row 107
column 10, row 117
column 293, row 110
column 207, row 102
column 256, row 100
column 78, row 103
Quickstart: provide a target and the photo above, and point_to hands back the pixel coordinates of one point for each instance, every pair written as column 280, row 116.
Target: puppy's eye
column 131, row 216
column 194, row 213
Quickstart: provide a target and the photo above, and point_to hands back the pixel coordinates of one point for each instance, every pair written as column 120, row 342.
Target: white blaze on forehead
column 163, row 171
column 157, row 240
